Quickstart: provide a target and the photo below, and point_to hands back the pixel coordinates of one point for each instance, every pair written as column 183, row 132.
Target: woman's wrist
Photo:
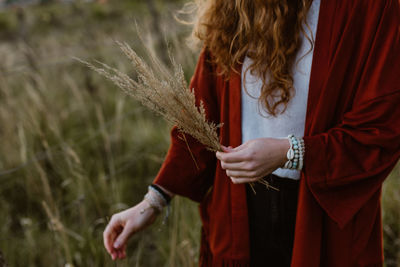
column 295, row 153
column 145, row 206
column 156, row 199
column 284, row 147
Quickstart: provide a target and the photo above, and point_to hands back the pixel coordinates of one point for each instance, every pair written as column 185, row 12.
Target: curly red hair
column 267, row 31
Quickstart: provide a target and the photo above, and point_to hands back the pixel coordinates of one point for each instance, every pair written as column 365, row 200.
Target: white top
column 255, row 125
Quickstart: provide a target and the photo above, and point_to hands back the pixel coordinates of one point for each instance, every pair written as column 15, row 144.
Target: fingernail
column 116, row 244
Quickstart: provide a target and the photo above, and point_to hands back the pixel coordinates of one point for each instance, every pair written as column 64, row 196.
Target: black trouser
column 272, row 217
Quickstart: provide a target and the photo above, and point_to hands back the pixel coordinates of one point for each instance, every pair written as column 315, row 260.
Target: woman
column 344, row 106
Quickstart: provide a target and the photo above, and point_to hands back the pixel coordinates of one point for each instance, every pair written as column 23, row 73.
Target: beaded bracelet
column 154, row 202
column 295, row 154
column 166, row 197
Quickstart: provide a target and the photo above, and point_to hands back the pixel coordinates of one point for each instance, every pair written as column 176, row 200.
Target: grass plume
column 166, row 93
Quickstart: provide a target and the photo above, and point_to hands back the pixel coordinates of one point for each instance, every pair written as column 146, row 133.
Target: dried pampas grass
column 164, row 92
column 168, row 94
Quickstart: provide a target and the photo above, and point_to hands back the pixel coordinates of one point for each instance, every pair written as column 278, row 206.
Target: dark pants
column 272, row 216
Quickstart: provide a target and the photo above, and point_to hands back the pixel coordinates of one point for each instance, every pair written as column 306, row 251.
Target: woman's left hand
column 254, row 159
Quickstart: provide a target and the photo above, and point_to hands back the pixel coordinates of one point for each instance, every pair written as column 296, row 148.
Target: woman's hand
column 123, row 225
column 254, row 159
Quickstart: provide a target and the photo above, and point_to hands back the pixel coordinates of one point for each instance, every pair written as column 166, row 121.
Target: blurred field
column 74, row 149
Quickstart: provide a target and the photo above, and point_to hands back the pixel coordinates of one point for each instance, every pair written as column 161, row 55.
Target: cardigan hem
column 207, row 259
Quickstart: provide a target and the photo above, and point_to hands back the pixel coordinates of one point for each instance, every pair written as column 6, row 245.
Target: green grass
column 74, row 149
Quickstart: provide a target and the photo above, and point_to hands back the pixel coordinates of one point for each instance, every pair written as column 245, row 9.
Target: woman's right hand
column 124, row 224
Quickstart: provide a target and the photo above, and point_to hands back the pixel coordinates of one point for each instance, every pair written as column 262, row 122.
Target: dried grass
column 166, row 93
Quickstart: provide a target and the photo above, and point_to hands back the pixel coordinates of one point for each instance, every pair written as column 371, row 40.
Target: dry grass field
column 74, row 149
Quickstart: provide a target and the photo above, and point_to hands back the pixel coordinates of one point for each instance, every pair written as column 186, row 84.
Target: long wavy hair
column 267, row 31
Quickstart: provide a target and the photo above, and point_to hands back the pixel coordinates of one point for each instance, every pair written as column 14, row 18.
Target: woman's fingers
column 239, row 166
column 242, row 174
column 254, row 159
column 227, row 148
column 232, row 157
column 123, row 237
column 115, row 237
column 123, row 252
column 107, row 240
column 230, row 154
column 119, row 253
column 243, row 180
column 110, row 233
column 122, row 225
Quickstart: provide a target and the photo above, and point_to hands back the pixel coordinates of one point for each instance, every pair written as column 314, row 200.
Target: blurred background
column 74, row 149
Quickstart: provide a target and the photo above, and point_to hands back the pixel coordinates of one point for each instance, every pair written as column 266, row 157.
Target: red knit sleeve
column 347, row 164
column 191, row 173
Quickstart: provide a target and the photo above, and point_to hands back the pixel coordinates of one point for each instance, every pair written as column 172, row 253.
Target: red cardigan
column 352, row 139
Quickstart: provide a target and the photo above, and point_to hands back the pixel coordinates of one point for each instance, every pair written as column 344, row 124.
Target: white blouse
column 256, row 122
